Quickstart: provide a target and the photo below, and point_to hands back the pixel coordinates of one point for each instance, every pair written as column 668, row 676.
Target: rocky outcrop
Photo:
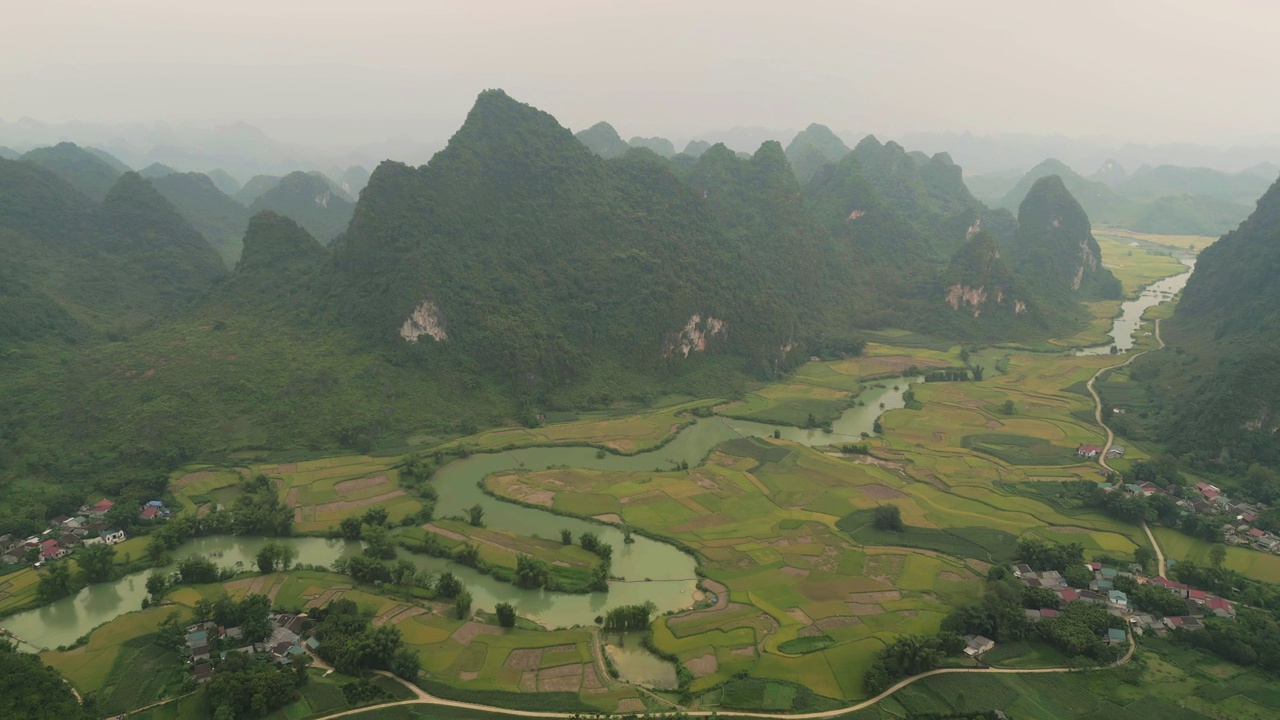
column 425, row 320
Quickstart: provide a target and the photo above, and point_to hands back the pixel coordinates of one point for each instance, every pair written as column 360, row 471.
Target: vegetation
column 31, row 689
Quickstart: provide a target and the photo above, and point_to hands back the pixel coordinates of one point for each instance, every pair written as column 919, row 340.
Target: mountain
column 1224, row 356
column 1170, row 180
column 221, row 220
column 695, row 148
column 1188, row 215
column 80, row 168
column 252, row 190
column 991, row 187
column 812, row 148
column 1103, row 204
column 603, row 140
column 154, row 245
column 1110, row 174
column 353, row 180
column 276, row 269
column 660, row 145
column 1054, row 244
column 8, row 153
column 1266, row 170
column 311, row 200
column 156, row 170
column 979, row 296
column 116, row 163
column 96, row 269
column 224, row 182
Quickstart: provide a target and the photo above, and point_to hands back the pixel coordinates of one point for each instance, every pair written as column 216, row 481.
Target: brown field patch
column 559, row 649
column 1070, row 530
column 352, row 504
column 258, row 584
column 590, row 681
column 794, row 571
column 800, row 616
column 703, row 666
column 468, row 675
column 529, row 681
column 881, row 492
column 630, row 705
column 291, row 498
column 411, row 612
column 703, row 521
column 193, row 477
column 388, row 614
column 332, row 593
column 875, row 597
column 242, row 584
column 748, row 651
column 465, row 634
column 840, row 621
column 287, row 468
column 609, row 518
column 948, row 575
column 275, row 589
column 540, row 497
column 864, row 608
column 993, row 424
column 566, row 678
column 525, row 659
column 810, row 631
column 350, row 486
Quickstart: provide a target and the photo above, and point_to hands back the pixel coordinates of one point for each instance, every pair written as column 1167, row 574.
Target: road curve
column 1111, row 438
column 423, row 698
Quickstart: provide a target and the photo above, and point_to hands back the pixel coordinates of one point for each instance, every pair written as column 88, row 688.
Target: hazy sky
column 350, row 71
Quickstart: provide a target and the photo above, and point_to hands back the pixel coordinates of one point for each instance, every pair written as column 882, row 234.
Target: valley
column 747, row 525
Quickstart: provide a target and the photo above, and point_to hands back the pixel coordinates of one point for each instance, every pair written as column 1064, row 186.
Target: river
column 651, row 571
column 1129, row 320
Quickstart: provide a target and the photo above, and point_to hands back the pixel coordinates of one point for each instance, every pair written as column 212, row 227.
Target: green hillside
column 221, row 220
column 1055, row 246
column 603, row 140
column 84, row 170
column 310, row 199
column 812, row 148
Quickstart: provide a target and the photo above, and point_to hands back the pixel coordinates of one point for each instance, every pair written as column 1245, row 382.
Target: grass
column 1247, row 561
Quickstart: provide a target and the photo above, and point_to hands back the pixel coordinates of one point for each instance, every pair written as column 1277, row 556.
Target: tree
column 506, row 614
column 404, row 574
column 462, row 605
column 31, row 690
column 171, row 632
column 475, row 515
column 448, row 585
column 55, row 582
column 1217, row 555
column 275, row 556
column 1144, row 556
column 157, row 583
column 349, row 528
column 97, row 562
column 1007, row 407
column 406, row 664
column 531, row 572
column 377, row 542
column 888, row 517
column 566, row 536
column 978, row 372
column 375, row 516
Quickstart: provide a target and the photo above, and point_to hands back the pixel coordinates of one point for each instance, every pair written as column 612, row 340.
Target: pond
column 636, row 664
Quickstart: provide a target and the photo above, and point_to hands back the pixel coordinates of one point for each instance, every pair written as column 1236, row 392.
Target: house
column 1220, row 607
column 1201, row 487
column 112, row 536
column 1088, row 451
column 1092, row 596
column 1021, row 569
column 58, row 521
column 202, row 673
column 1148, row 489
column 197, row 638
column 1118, row 600
column 1116, row 451
column 1068, row 595
column 101, row 508
column 1269, row 543
column 149, row 513
column 1048, row 613
column 1198, row 596
column 49, row 550
column 977, row 644
column 313, row 643
column 1052, row 578
column 199, row 653
column 233, row 633
column 67, row 540
column 88, row 540
column 1094, row 566
column 1115, row 636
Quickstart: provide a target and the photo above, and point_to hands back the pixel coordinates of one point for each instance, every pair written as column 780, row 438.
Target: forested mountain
column 8, row 153
column 812, row 148
column 1171, row 180
column 516, row 272
column 156, row 170
column 221, row 220
column 980, row 296
column 353, row 180
column 130, row 260
column 224, row 182
column 695, row 148
column 603, row 140
column 1224, row 361
column 252, row 190
column 1054, row 244
column 311, row 200
column 1103, row 204
column 84, row 170
column 1110, row 174
column 659, row 145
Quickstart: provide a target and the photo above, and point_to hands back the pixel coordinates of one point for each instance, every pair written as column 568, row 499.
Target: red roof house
column 1197, row 595
column 150, row 513
column 1068, row 595
column 103, row 506
column 1255, row 533
column 1048, row 613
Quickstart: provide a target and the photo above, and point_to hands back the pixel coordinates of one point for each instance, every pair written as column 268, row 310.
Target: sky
column 344, row 72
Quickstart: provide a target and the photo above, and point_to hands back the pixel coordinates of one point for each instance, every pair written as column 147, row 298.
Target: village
column 88, row 527
column 284, row 645
column 1239, row 518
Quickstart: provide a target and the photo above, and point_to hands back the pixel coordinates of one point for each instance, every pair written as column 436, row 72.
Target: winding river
column 651, row 571
column 1129, row 320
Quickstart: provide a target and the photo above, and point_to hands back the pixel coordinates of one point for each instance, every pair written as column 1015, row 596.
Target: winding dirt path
column 425, row 698
column 1111, row 437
